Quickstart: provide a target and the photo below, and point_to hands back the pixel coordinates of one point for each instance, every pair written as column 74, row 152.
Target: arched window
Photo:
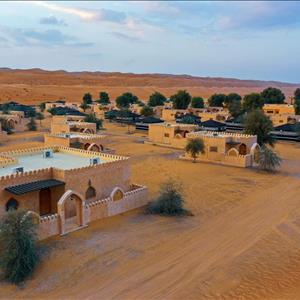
column 11, row 204
column 90, row 193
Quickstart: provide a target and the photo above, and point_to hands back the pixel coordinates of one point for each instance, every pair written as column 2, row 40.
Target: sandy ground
column 35, row 86
column 242, row 242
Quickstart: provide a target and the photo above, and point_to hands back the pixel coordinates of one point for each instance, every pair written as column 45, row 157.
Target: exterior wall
column 168, row 115
column 60, row 128
column 216, row 116
column 273, row 109
column 96, row 210
column 167, row 134
column 280, row 119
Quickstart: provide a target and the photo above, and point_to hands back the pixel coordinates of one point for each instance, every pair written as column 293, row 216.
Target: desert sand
column 242, row 242
column 34, row 86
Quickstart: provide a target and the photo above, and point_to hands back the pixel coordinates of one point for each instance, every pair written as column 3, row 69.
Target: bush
column 19, row 255
column 195, row 147
column 170, row 201
column 91, row 118
column 32, row 125
column 197, row 102
column 268, row 160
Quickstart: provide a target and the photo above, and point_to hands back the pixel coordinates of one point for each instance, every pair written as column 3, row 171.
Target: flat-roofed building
column 226, row 148
column 68, row 124
column 66, row 188
column 171, row 135
column 275, row 109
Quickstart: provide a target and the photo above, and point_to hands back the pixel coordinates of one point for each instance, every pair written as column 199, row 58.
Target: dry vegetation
column 34, row 86
column 242, row 243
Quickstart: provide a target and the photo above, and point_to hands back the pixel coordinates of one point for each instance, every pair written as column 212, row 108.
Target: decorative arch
column 233, row 152
column 10, row 123
column 90, row 193
column 94, row 147
column 254, row 151
column 242, row 149
column 70, row 208
column 11, row 204
column 178, row 136
column 86, row 146
column 117, row 194
column 88, row 130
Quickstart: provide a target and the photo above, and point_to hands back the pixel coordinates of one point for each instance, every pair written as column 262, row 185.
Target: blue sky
column 247, row 40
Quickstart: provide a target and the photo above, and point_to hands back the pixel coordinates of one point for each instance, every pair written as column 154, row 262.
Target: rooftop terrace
column 62, row 158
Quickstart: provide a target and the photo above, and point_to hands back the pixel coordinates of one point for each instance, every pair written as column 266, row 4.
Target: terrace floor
column 59, row 160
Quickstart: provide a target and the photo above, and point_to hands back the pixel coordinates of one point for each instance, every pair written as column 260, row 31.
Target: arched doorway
column 242, row 149
column 45, row 201
column 117, row 194
column 70, row 210
column 11, row 204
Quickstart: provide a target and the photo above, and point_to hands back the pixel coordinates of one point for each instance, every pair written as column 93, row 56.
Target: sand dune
column 35, row 85
column 242, row 243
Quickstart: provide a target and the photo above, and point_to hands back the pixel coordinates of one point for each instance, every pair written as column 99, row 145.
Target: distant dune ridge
column 36, row 85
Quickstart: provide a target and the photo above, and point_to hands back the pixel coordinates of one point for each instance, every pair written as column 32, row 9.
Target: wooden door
column 45, row 201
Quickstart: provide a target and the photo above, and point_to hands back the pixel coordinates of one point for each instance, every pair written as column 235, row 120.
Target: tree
column 252, row 101
column 235, row 108
column 181, row 99
column 125, row 100
column 170, row 201
column 84, row 106
column 197, row 102
column 18, row 246
column 257, row 123
column 297, row 94
column 32, row 125
column 273, row 96
column 103, row 98
column 297, row 106
column 91, row 118
column 268, row 160
column 216, row 100
column 147, row 111
column 87, row 98
column 40, row 117
column 31, row 113
column 195, row 147
column 42, row 106
column 156, row 99
column 232, row 97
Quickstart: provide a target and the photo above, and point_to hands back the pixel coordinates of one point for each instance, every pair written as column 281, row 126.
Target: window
column 166, row 135
column 90, row 193
column 213, row 149
column 11, row 204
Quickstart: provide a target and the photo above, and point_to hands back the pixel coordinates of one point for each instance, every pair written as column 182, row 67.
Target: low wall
column 243, row 161
column 48, row 226
column 96, row 210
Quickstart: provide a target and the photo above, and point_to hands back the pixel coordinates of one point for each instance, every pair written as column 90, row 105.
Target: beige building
column 226, row 148
column 3, row 135
column 280, row 119
column 171, row 135
column 14, row 120
column 68, row 124
column 275, row 109
column 66, row 188
column 92, row 142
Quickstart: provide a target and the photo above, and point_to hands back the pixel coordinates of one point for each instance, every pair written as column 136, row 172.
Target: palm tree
column 194, row 147
column 268, row 160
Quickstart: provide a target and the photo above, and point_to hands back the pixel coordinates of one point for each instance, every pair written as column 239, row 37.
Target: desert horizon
column 33, row 86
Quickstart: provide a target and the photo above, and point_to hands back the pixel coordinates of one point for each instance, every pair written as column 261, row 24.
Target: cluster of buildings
column 76, row 179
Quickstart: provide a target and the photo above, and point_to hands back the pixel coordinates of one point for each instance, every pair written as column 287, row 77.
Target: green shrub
column 268, row 160
column 170, row 201
column 19, row 255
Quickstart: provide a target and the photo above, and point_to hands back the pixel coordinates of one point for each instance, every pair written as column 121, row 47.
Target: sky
column 239, row 39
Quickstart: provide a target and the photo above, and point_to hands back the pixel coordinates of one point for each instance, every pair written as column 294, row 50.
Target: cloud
column 47, row 38
column 125, row 36
column 105, row 15
column 52, row 20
